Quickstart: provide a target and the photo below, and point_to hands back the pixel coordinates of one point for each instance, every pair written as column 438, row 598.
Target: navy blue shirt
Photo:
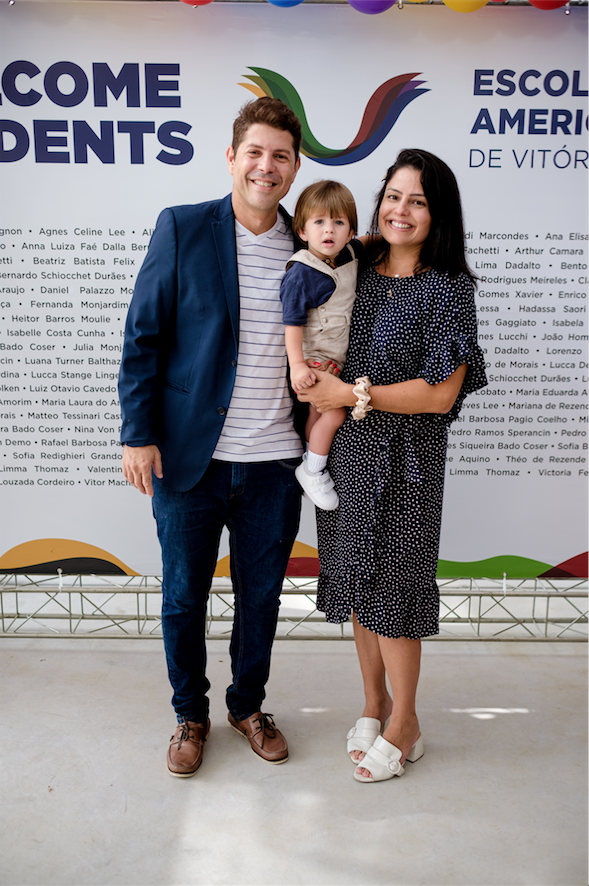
column 303, row 288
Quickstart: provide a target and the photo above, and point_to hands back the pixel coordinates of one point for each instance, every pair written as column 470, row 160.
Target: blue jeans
column 260, row 505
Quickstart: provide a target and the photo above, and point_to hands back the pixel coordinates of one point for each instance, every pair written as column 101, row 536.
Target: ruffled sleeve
column 450, row 337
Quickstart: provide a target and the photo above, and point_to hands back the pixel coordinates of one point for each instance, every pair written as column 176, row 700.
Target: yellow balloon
column 465, row 5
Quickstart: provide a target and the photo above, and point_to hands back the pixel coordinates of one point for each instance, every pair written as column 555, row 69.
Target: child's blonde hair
column 329, row 197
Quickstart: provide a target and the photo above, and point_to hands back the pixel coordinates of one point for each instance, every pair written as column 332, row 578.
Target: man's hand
column 138, row 463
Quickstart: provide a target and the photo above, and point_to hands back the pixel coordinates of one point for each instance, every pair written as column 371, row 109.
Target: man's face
column 263, row 169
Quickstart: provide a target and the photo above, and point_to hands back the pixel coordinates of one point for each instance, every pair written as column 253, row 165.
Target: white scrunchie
column 362, row 407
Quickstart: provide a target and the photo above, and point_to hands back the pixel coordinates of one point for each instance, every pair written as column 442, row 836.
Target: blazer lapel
column 224, row 235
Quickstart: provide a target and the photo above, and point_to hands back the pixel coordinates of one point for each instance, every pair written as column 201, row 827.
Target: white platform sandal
column 383, row 760
column 361, row 737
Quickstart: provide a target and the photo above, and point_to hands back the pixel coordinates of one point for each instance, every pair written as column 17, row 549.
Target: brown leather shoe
column 265, row 739
column 186, row 748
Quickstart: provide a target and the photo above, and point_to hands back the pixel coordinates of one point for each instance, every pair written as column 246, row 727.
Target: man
column 208, row 423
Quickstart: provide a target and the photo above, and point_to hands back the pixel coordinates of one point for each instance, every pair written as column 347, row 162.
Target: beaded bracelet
column 362, row 407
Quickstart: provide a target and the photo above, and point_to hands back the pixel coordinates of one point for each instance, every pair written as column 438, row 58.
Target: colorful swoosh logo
column 380, row 115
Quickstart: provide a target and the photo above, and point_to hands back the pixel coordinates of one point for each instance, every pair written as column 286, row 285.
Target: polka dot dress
column 379, row 549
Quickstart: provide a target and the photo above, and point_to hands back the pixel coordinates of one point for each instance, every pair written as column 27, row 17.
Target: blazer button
column 234, row 362
column 221, row 410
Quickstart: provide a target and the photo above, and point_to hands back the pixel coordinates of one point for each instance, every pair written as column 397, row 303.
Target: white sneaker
column 318, row 488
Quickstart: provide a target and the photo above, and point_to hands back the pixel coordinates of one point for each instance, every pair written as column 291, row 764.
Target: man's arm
column 140, row 366
column 146, row 333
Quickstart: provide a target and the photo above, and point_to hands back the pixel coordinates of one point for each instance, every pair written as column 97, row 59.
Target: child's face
column 326, row 236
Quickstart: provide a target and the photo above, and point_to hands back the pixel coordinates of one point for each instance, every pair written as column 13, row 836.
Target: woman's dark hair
column 444, row 247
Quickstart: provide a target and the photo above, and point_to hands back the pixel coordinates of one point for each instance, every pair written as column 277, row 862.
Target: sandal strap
column 383, row 760
column 362, row 735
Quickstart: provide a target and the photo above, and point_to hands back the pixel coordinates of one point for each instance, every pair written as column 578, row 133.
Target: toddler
column 317, row 293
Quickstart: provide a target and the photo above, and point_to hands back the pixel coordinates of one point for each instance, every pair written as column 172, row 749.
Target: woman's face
column 404, row 218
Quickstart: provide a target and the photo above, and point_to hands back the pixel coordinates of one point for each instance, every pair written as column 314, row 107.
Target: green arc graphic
column 493, row 567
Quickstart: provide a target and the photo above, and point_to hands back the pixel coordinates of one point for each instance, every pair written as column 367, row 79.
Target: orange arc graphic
column 49, row 550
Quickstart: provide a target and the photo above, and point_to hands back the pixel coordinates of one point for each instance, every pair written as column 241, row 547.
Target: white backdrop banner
column 111, row 111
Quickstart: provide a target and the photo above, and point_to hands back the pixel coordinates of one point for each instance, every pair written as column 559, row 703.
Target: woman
column 414, row 355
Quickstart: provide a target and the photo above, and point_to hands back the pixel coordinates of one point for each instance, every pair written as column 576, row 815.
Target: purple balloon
column 285, row 3
column 371, row 7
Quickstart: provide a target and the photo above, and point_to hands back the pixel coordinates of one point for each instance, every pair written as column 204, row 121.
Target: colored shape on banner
column 548, row 4
column 303, row 563
column 465, row 5
column 285, row 3
column 44, row 556
column 576, row 567
column 371, row 7
column 380, row 115
column 513, row 567
column 493, row 567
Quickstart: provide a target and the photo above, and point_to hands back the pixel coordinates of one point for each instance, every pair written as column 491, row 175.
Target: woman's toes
column 365, row 773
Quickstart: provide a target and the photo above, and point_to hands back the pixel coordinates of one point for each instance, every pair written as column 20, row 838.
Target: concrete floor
column 499, row 797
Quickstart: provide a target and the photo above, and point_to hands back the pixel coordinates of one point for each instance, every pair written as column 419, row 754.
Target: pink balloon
column 548, row 4
column 197, row 2
column 371, row 7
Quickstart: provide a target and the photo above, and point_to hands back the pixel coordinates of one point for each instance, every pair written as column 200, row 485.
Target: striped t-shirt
column 259, row 423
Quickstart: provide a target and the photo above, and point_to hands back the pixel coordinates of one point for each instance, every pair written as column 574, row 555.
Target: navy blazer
column 181, row 338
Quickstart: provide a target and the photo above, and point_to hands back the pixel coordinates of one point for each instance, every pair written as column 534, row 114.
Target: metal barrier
column 109, row 607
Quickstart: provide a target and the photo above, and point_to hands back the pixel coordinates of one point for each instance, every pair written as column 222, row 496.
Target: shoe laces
column 185, row 733
column 186, row 730
column 266, row 722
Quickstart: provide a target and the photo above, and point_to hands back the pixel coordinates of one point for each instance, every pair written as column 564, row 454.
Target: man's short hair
column 271, row 112
column 328, row 197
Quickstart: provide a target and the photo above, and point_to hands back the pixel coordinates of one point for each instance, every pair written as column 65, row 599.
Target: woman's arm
column 405, row 398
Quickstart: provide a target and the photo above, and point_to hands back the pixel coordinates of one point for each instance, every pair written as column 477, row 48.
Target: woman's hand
column 328, row 392
column 326, row 366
